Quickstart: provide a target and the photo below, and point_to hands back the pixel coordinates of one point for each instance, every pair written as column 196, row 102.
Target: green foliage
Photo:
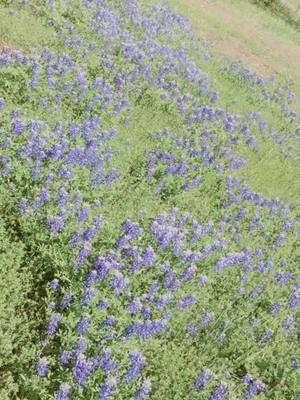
column 30, row 257
column 16, row 330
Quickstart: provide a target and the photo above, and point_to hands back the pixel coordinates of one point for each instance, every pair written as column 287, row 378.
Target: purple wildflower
column 202, row 379
column 54, row 284
column 87, row 297
column 106, row 361
column 82, row 255
column 55, row 224
column 137, row 364
column 66, row 300
column 294, row 300
column 143, row 391
column 188, row 273
column 103, row 304
column 148, row 257
column 186, row 302
column 267, row 335
column 219, row 393
column 53, row 324
column 283, row 277
column 231, row 259
column 63, row 392
column 83, row 325
column 287, row 323
column 65, row 357
column 24, row 206
column 119, row 283
column 17, row 127
column 107, row 389
column 253, row 387
column 202, row 281
column 82, row 369
column 275, row 307
column 42, row 367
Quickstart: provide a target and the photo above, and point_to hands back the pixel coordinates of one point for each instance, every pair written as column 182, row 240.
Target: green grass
column 241, row 29
column 35, row 258
column 20, row 30
column 281, row 9
column 271, row 174
column 267, row 172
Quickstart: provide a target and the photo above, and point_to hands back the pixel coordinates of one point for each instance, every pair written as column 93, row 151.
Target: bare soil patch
column 247, row 37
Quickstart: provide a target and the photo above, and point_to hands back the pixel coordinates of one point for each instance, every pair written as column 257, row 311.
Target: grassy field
column 269, row 47
column 243, row 31
column 149, row 201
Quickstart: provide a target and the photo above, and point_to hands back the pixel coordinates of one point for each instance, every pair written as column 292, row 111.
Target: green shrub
column 16, row 344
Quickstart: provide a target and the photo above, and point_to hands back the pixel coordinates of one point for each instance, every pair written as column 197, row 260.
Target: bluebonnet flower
column 203, row 379
column 107, row 389
column 267, row 335
column 87, row 296
column 143, row 391
column 53, row 323
column 109, row 321
column 163, row 300
column 257, row 291
column 232, row 259
column 170, row 281
column 24, row 206
column 103, row 304
column 106, row 361
column 186, row 302
column 202, row 281
column 253, row 387
column 83, row 325
column 149, row 328
column 82, row 369
column 81, row 346
column 207, row 318
column 135, row 306
column 287, row 323
column 66, row 301
column 55, row 224
column 65, row 357
column 63, row 392
column 54, row 284
column 137, row 364
column 17, row 127
column 294, row 299
column 219, row 393
column 82, row 255
column 119, row 283
column 42, row 367
column 148, row 257
column 275, row 307
column 188, row 273
column 294, row 363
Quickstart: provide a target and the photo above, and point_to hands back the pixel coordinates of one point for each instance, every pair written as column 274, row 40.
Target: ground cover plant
column 148, row 250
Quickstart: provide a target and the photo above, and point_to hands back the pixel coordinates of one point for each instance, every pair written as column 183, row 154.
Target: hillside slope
column 150, row 210
column 243, row 31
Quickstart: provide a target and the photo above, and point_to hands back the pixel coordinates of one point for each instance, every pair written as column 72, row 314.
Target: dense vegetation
column 149, row 211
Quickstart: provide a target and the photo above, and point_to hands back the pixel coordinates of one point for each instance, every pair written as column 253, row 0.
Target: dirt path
column 243, row 31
